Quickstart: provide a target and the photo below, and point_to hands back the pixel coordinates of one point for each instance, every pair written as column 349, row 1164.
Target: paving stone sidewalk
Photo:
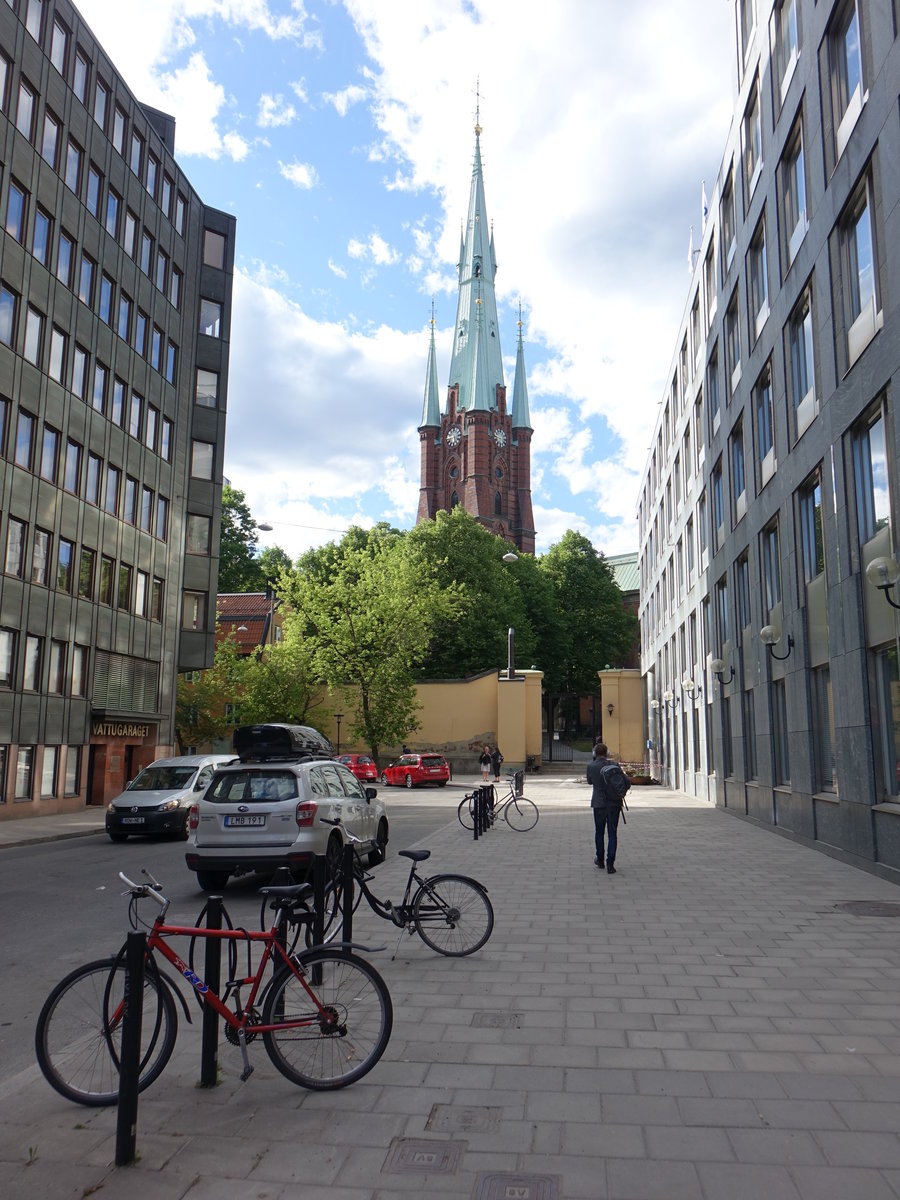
column 707, row 1024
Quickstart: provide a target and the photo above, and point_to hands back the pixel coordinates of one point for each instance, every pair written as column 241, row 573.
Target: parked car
column 412, row 769
column 159, row 799
column 265, row 811
column 362, row 766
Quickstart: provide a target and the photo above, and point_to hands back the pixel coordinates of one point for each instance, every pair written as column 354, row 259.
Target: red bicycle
column 325, row 1016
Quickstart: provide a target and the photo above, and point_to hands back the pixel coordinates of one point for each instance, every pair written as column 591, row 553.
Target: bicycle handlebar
column 351, row 837
column 153, row 889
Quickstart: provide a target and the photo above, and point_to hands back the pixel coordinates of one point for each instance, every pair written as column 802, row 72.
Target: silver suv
column 265, row 811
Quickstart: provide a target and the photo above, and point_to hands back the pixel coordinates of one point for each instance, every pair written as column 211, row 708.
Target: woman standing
column 485, row 763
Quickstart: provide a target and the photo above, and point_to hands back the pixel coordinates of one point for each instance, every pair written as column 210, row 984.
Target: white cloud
column 274, row 111
column 302, row 175
column 346, row 98
column 298, row 87
column 376, row 249
column 236, row 146
column 336, row 269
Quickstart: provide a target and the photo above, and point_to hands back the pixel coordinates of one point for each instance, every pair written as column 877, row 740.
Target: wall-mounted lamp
column 770, row 636
column 610, row 708
column 717, row 666
column 689, row 686
column 883, row 573
column 654, row 704
column 670, row 698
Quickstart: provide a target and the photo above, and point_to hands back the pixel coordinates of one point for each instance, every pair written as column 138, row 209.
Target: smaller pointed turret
column 431, row 409
column 520, row 415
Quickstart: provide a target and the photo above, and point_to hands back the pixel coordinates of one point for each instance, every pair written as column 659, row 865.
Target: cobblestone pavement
column 708, row 1024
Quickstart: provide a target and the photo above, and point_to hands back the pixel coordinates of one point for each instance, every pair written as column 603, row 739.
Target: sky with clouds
column 340, row 134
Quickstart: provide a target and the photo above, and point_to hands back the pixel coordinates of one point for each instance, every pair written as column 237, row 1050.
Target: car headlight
column 110, row 808
column 168, row 805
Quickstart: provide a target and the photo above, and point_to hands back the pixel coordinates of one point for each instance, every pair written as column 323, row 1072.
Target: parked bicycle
column 451, row 913
column 520, row 812
column 324, row 1016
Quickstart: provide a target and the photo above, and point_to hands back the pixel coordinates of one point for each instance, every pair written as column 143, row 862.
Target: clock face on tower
column 453, row 436
column 500, row 438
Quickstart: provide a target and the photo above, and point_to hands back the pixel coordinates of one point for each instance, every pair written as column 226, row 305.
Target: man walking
column 606, row 810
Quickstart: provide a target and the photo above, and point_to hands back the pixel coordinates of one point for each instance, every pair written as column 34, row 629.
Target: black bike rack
column 484, row 806
column 130, row 1061
column 209, row 1044
column 347, row 896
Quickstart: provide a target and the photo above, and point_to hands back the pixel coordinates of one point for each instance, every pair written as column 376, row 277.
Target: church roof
column 625, row 571
column 431, row 409
column 520, row 417
column 477, row 365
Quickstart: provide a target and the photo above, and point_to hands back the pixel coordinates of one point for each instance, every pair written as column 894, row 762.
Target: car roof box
column 268, row 742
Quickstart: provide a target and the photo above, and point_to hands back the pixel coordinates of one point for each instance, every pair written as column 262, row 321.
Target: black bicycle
column 451, row 913
column 520, row 812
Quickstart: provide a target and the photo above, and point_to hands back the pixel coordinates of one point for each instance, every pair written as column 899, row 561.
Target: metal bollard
column 130, row 1061
column 347, row 897
column 209, row 1044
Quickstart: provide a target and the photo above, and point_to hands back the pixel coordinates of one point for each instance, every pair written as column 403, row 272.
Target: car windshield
column 431, row 760
column 162, row 779
column 363, row 760
column 252, row 787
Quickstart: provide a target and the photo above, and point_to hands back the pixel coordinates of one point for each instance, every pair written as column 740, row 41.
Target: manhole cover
column 453, row 1118
column 516, row 1187
column 870, row 908
column 494, row 1019
column 435, row 1158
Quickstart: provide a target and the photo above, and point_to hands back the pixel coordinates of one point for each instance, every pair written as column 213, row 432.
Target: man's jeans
column 606, row 819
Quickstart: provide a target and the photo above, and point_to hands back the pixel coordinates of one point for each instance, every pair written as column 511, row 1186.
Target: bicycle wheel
column 452, row 915
column 466, row 812
column 521, row 813
column 78, row 1038
column 349, row 1023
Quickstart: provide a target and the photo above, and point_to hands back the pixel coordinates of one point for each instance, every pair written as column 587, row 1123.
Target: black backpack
column 615, row 782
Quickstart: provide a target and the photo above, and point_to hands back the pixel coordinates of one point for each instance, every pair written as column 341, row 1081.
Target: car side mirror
column 371, row 793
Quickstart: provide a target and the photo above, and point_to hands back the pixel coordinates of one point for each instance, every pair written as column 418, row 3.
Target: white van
column 160, row 798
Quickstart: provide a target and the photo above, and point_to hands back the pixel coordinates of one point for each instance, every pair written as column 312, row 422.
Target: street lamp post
column 338, row 717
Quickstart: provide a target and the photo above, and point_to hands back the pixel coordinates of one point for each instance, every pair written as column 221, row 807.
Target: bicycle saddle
column 415, row 855
column 290, row 891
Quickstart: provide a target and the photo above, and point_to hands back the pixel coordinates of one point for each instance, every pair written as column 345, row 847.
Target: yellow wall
column 623, row 729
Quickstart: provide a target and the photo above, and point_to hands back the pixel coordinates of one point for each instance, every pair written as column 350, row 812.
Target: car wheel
column 442, row 783
column 334, row 857
column 379, row 852
column 116, row 836
column 408, row 781
column 384, row 779
column 212, row 881
column 184, row 832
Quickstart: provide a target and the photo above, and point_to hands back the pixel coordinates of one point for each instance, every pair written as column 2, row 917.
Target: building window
column 79, row 670
column 86, row 573
column 140, row 333
column 134, row 416
column 137, row 152
column 207, row 389
column 98, row 396
column 49, row 453
column 870, row 469
column 34, row 334
column 712, row 393
column 742, row 590
column 50, row 138
column 93, row 190
column 118, row 133
column 64, row 259
column 175, row 288
column 79, row 371
column 86, row 280
column 124, row 325
column 56, row 367
column 73, row 770
column 104, row 308
column 101, row 102
column 80, row 75
column 213, row 249
column 59, row 45
column 72, row 472
column 738, row 480
column 165, row 440
column 747, row 17
column 729, row 223
column 171, row 361
column 92, row 484
column 24, row 773
column 24, row 439
column 113, row 206
column 722, row 627
column 793, row 191
column 31, row 677
column 718, row 506
column 123, row 592
column 758, row 280
column 809, row 505
column 117, row 410
column 771, row 564
column 786, row 41
column 57, row 673
column 749, row 714
column 162, row 517
column 25, row 110
column 165, row 199
column 7, row 315
column 202, row 460
column 104, row 592
column 152, row 173
column 210, row 318
column 156, row 599
column 150, row 430
column 65, row 563
column 193, row 610
column 73, row 166
column 146, row 509
column 111, row 495
column 780, row 734
column 7, row 659
column 765, row 429
column 40, row 242
column 140, row 594
column 162, row 269
column 858, row 261
column 156, row 348
column 752, row 141
column 146, row 252
column 846, row 73
column 733, row 344
column 40, row 557
column 709, row 279
column 130, row 233
column 16, row 205
column 129, row 500
column 802, row 364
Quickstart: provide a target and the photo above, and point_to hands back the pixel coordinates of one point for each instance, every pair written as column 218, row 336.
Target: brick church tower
column 478, row 452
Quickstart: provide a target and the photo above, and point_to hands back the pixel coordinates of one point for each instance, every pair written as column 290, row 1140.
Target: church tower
column 477, row 453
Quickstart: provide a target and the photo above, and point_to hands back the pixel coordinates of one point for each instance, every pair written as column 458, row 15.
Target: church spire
column 520, row 417
column 431, row 410
column 477, row 366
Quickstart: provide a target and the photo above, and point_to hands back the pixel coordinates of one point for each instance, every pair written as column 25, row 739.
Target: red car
column 361, row 765
column 411, row 769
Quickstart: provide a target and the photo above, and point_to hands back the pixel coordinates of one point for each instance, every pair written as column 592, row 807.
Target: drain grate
column 496, row 1019
column 436, row 1158
column 453, row 1118
column 496, row 1186
column 869, row 908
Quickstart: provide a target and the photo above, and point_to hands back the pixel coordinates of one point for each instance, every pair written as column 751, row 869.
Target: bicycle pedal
column 245, row 1075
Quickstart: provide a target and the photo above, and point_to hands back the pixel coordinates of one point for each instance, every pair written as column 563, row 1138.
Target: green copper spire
column 477, row 365
column 520, row 417
column 431, row 411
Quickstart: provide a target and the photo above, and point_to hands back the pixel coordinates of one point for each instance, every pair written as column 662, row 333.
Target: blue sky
column 341, row 137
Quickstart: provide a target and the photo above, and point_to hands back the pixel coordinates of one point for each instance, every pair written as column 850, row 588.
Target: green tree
column 281, row 682
column 368, row 614
column 200, row 702
column 272, row 561
column 239, row 570
column 456, row 551
column 596, row 628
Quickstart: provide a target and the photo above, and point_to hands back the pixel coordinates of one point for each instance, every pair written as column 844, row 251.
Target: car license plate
column 255, row 820
column 132, row 820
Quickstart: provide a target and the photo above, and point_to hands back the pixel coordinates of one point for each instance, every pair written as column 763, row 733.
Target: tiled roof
column 244, row 614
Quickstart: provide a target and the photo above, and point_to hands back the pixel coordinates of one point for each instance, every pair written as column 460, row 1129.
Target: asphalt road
column 61, row 903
